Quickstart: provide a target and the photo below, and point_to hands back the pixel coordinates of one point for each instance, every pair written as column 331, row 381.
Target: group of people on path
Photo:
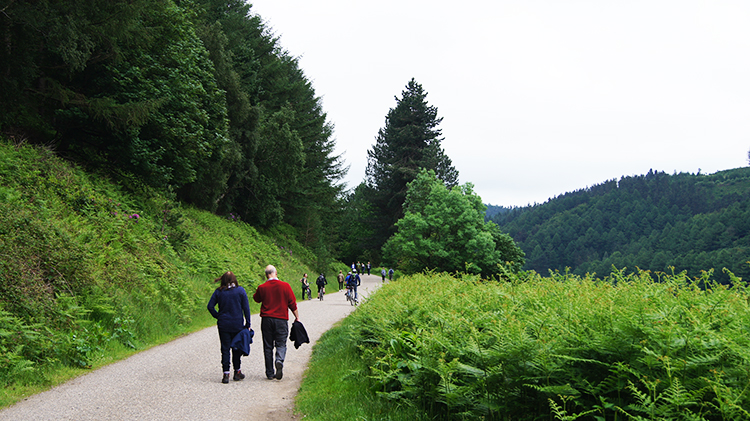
column 361, row 267
column 276, row 299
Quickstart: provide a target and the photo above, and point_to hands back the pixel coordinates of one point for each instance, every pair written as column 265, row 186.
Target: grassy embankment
column 561, row 347
column 92, row 271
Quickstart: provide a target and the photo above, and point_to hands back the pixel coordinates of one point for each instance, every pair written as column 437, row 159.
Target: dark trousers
column 275, row 333
column 225, row 337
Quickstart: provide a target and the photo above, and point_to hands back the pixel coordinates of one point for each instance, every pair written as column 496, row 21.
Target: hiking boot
column 238, row 375
column 225, row 379
column 279, row 370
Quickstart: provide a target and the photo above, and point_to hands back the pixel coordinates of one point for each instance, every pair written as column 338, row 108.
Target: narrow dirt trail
column 181, row 380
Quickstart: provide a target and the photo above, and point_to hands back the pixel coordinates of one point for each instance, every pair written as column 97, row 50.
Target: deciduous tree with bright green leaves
column 444, row 230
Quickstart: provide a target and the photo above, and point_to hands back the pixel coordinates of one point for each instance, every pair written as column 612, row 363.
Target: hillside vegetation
column 441, row 347
column 91, row 270
column 691, row 222
column 193, row 97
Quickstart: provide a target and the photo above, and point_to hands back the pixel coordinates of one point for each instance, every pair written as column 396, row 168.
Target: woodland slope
column 656, row 222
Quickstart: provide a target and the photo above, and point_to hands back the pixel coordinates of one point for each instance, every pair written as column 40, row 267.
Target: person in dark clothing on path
column 277, row 299
column 321, row 282
column 369, row 267
column 232, row 317
column 382, row 273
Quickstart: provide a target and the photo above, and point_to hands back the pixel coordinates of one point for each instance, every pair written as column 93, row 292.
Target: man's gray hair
column 270, row 270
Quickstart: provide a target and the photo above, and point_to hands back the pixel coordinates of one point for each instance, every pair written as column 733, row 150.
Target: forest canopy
column 194, row 97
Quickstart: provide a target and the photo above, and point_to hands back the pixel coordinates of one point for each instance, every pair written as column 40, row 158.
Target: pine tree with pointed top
column 409, row 141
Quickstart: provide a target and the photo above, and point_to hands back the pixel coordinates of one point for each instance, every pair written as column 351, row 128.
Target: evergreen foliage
column 356, row 230
column 409, row 141
column 689, row 222
column 493, row 210
column 194, row 96
column 444, row 230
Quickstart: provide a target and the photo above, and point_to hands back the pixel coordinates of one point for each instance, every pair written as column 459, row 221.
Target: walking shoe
column 238, row 375
column 225, row 379
column 279, row 370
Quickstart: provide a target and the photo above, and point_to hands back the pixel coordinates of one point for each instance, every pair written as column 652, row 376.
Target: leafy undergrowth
column 336, row 387
column 92, row 271
column 561, row 347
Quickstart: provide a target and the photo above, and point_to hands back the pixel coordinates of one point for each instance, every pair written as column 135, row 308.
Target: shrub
column 627, row 346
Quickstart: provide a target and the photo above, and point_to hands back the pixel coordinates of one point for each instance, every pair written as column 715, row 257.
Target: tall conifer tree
column 409, row 141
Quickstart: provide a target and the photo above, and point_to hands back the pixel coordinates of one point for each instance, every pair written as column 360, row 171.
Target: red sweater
column 275, row 297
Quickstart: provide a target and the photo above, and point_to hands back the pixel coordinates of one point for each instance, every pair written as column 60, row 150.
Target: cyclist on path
column 353, row 282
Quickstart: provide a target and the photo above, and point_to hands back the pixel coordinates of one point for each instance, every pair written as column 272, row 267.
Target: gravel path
column 181, row 380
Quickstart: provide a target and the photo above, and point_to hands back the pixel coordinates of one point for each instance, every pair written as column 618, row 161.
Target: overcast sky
column 538, row 98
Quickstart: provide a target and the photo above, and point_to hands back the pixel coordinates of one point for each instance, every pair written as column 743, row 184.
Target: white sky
column 538, row 98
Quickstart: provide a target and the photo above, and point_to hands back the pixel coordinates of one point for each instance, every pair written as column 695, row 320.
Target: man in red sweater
column 276, row 298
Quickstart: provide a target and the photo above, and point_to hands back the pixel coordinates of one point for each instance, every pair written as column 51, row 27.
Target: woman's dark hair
column 228, row 280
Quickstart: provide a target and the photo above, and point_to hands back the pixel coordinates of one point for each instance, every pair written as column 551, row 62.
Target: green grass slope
column 92, row 271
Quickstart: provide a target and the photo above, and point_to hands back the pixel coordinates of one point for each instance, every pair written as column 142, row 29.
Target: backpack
column 321, row 280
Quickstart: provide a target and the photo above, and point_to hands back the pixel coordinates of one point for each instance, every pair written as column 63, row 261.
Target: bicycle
column 321, row 292
column 350, row 296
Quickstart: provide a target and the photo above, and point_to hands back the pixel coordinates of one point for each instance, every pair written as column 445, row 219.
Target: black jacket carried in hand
column 298, row 335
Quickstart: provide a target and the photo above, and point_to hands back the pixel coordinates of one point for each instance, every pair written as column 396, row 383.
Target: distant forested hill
column 493, row 210
column 652, row 222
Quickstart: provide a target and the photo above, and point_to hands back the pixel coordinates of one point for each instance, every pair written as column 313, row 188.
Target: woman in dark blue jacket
column 232, row 317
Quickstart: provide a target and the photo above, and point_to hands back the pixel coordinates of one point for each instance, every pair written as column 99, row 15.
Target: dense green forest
column 493, row 210
column 656, row 222
column 198, row 100
column 192, row 97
